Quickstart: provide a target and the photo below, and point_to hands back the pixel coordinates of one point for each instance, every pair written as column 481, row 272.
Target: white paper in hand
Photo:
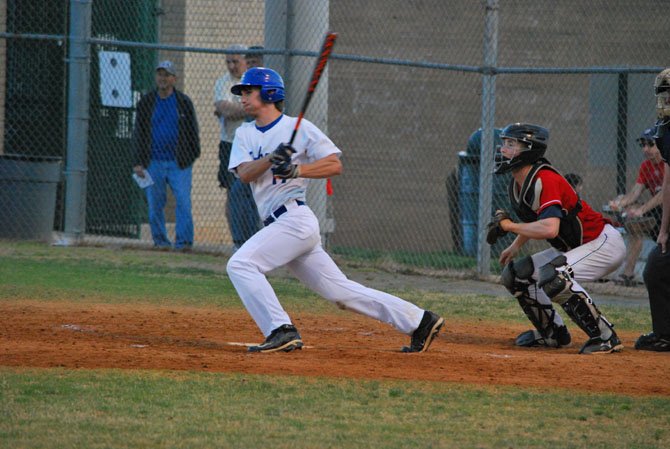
column 143, row 182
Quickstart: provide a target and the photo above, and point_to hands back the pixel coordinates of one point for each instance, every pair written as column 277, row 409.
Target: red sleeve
column 555, row 191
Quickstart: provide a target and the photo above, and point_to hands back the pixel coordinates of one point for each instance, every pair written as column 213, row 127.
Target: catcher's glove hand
column 494, row 229
column 282, row 154
column 286, row 171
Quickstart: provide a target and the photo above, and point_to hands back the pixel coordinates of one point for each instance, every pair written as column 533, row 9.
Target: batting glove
column 281, row 154
column 286, row 171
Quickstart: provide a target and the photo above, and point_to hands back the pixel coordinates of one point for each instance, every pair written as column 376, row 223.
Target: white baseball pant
column 293, row 240
column 589, row 262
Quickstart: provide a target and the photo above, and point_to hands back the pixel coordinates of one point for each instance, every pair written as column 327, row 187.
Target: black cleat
column 596, row 345
column 653, row 342
column 424, row 335
column 533, row 338
column 285, row 338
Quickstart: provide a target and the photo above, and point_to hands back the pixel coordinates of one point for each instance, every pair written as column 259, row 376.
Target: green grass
column 56, row 408
column 113, row 409
column 436, row 259
column 116, row 277
column 94, row 274
column 408, row 261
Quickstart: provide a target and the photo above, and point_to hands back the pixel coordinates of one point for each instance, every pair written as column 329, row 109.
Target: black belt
column 279, row 211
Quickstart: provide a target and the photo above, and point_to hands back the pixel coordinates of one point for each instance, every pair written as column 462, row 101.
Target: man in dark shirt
column 658, row 263
column 166, row 144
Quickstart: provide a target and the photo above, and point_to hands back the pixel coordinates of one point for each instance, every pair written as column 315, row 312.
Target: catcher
column 584, row 246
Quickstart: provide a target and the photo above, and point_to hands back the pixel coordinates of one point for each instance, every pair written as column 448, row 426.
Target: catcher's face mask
column 662, row 91
column 509, row 155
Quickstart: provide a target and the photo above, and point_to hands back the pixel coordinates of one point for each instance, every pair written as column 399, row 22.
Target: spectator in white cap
column 166, row 144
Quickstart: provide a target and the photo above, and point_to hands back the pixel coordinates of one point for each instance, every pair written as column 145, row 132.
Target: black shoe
column 285, row 338
column 596, row 345
column 653, row 342
column 533, row 338
column 423, row 336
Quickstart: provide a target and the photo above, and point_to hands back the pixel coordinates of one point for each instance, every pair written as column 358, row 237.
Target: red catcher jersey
column 555, row 190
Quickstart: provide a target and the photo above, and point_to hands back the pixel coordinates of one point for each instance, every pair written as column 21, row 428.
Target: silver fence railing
column 407, row 88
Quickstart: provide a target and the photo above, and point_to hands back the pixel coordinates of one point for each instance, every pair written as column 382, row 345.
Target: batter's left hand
column 286, row 171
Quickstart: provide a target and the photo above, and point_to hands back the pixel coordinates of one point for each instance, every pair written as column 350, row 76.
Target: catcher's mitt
column 494, row 230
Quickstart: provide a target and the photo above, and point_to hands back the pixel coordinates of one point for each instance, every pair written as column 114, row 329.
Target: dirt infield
column 34, row 334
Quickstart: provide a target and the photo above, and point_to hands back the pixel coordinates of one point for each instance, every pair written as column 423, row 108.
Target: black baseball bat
column 326, row 49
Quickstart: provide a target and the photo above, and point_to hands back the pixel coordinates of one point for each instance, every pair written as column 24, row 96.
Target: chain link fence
column 407, row 88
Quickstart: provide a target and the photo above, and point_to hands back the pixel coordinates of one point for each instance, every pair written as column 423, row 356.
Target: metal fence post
column 301, row 24
column 622, row 133
column 488, row 118
column 77, row 120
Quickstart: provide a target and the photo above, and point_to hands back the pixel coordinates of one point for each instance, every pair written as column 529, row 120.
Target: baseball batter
column 585, row 247
column 278, row 174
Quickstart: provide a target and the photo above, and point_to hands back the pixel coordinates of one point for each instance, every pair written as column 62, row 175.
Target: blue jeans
column 168, row 173
column 242, row 212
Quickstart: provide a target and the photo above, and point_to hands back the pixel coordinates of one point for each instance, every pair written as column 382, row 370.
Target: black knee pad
column 516, row 276
column 552, row 281
column 584, row 313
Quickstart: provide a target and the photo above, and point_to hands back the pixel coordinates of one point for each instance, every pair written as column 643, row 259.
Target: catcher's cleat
column 285, row 338
column 532, row 338
column 653, row 342
column 424, row 335
column 596, row 345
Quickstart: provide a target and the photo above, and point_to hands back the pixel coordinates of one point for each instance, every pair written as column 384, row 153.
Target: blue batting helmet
column 270, row 82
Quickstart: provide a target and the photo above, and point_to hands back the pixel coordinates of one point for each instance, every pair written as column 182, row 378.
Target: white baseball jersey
column 253, row 143
column 293, row 239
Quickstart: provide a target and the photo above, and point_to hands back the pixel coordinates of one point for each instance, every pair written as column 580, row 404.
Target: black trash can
column 468, row 191
column 468, row 199
column 28, row 196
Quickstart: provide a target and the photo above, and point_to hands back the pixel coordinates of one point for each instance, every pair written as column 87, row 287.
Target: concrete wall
column 210, row 24
column 401, row 128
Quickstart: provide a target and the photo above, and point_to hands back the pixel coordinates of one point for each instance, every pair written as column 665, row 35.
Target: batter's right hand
column 282, row 154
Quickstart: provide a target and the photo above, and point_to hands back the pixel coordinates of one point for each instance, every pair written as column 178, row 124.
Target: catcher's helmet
column 270, row 82
column 535, row 139
column 662, row 91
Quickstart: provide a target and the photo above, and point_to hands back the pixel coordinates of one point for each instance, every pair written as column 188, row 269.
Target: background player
column 645, row 218
column 585, row 247
column 279, row 175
